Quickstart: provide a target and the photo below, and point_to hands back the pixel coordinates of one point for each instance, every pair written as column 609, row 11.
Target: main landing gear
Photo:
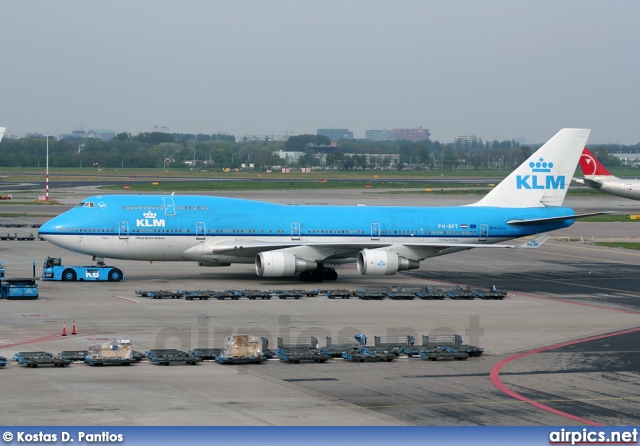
column 319, row 274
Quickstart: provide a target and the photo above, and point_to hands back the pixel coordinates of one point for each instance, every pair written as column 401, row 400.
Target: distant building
column 331, row 148
column 104, row 135
column 335, row 134
column 468, row 141
column 416, row 134
column 34, row 135
column 379, row 135
column 289, row 157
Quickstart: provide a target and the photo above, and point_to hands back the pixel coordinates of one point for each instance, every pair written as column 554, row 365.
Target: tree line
column 218, row 151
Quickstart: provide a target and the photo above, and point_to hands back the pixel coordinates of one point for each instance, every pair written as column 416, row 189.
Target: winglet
column 591, row 166
column 2, row 130
column 535, row 243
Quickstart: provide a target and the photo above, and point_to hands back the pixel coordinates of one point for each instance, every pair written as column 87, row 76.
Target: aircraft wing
column 345, row 249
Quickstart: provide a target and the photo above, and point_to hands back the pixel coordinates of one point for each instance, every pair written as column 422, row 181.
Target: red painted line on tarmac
column 31, row 341
column 494, row 375
column 43, row 339
column 126, row 298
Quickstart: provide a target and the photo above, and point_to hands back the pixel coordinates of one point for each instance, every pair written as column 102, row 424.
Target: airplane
column 282, row 240
column 2, row 130
column 598, row 177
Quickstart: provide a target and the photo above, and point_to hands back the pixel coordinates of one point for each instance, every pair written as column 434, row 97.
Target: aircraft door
column 123, row 230
column 201, row 230
column 169, row 206
column 295, row 230
column 375, row 231
column 484, row 233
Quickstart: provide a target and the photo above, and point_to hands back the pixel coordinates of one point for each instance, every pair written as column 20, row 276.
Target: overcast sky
column 497, row 69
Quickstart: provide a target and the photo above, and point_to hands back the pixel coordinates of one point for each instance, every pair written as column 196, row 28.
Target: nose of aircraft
column 47, row 228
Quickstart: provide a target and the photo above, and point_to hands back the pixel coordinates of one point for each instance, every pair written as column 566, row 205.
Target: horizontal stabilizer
column 540, row 221
column 589, row 182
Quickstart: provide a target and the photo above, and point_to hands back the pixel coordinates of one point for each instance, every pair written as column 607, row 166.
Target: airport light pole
column 46, row 195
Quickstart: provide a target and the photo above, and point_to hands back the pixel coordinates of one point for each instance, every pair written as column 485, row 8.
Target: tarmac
column 561, row 349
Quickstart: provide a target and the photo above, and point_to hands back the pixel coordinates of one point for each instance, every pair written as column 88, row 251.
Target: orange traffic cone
column 64, row 328
column 73, row 328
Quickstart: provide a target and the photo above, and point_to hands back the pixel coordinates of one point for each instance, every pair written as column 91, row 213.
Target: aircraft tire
column 314, row 275
column 68, row 275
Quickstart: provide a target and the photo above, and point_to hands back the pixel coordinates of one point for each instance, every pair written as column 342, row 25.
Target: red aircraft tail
column 590, row 164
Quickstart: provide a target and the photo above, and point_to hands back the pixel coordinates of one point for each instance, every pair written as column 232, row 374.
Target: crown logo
column 541, row 166
column 149, row 214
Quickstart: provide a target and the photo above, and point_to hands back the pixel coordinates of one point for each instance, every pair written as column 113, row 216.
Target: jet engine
column 281, row 264
column 377, row 262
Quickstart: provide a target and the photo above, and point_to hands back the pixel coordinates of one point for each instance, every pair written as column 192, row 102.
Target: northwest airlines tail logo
column 150, row 220
column 537, row 179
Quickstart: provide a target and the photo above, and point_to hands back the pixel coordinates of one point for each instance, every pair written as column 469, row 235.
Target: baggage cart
column 228, row 294
column 160, row 294
column 444, row 352
column 459, row 293
column 371, row 293
column 242, row 349
column 336, row 346
column 288, row 294
column 193, row 295
column 73, row 355
column 256, row 294
column 207, row 354
column 433, row 293
column 453, row 341
column 171, row 356
column 365, row 354
column 35, row 359
column 339, row 294
column 405, row 292
column 117, row 352
column 295, row 355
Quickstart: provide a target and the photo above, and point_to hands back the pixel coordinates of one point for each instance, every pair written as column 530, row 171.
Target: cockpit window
column 85, row 204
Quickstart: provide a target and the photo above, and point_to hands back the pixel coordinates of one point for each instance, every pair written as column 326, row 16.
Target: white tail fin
column 2, row 130
column 543, row 179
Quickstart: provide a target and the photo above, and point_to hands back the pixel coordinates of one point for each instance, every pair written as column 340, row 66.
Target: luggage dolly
column 73, row 355
column 34, row 359
column 169, row 355
column 159, row 294
column 364, row 354
column 193, row 295
column 240, row 359
column 339, row 294
column 207, row 354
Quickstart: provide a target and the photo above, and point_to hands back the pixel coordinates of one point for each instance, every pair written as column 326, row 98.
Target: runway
column 553, row 340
